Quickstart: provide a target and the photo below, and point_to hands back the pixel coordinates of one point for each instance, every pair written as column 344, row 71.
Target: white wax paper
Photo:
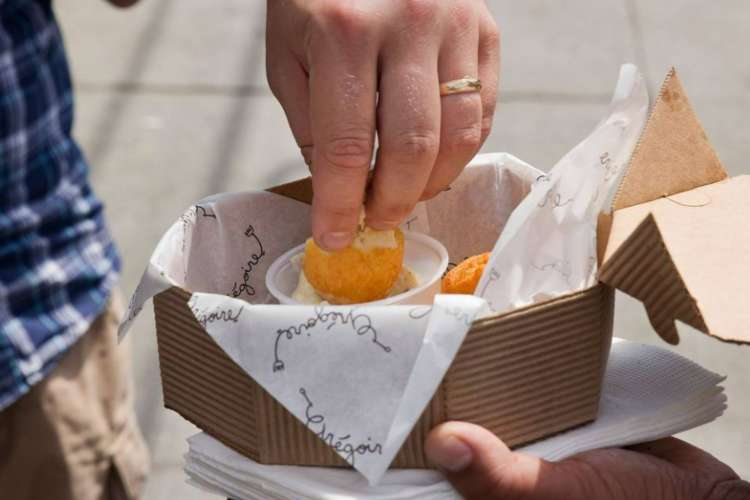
column 548, row 247
column 357, row 377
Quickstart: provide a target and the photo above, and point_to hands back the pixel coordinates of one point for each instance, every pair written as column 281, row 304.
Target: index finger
column 343, row 82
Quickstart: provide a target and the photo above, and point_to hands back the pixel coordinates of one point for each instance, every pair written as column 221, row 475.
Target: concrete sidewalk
column 173, row 106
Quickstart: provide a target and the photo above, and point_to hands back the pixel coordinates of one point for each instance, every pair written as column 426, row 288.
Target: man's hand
column 480, row 466
column 327, row 59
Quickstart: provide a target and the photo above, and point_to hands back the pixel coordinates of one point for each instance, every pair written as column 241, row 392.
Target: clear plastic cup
column 426, row 257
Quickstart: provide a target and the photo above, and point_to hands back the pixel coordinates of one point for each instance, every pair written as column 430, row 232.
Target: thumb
column 480, row 466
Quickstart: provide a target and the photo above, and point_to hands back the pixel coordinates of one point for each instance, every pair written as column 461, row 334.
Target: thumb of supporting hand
column 480, row 466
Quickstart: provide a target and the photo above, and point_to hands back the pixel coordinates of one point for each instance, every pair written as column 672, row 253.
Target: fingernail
column 450, row 453
column 336, row 240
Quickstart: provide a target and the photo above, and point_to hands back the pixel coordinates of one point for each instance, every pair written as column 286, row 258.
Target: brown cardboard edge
column 622, row 266
column 300, row 190
column 603, row 231
column 488, row 320
column 608, row 324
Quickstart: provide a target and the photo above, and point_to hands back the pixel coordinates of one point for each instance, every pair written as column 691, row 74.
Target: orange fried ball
column 464, row 277
column 364, row 271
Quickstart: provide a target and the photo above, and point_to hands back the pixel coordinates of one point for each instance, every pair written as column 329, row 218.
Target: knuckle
column 420, row 10
column 339, row 207
column 392, row 211
column 348, row 150
column 462, row 16
column 462, row 140
column 345, row 19
column 415, row 146
column 337, row 203
column 491, row 35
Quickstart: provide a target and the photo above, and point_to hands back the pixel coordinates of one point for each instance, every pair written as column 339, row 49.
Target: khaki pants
column 74, row 435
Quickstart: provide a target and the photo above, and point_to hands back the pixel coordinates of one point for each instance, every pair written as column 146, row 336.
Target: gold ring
column 465, row 84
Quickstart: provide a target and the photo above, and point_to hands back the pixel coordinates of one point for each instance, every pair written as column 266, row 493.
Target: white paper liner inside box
column 360, row 376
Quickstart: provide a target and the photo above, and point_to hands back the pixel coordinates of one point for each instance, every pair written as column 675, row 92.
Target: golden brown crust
column 464, row 277
column 353, row 275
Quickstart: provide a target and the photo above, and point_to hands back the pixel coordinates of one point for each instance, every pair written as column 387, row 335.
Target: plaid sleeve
column 58, row 263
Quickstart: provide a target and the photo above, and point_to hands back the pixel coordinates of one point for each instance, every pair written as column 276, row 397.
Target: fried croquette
column 464, row 277
column 363, row 272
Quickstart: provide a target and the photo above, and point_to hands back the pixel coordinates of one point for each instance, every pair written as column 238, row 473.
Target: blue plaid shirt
column 57, row 260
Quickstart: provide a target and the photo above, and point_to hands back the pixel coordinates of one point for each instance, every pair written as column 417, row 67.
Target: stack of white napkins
column 648, row 393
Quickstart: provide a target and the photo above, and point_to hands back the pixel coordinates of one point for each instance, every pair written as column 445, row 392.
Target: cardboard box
column 524, row 375
column 535, row 371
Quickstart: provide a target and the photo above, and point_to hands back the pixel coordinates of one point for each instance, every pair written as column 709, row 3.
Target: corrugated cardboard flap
column 673, row 154
column 300, row 190
column 678, row 237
